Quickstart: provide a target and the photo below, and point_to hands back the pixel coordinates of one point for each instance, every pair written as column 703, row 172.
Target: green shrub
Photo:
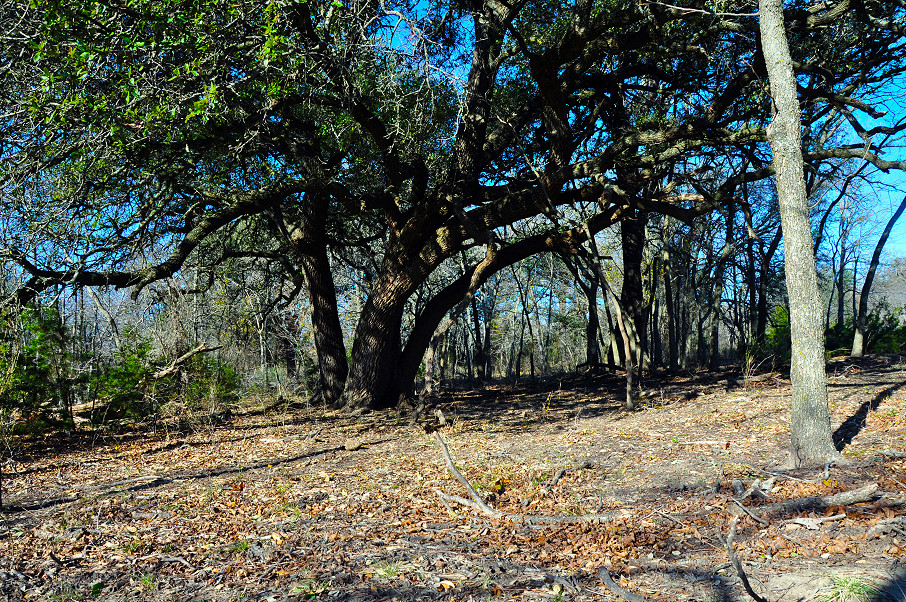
column 36, row 367
column 121, row 387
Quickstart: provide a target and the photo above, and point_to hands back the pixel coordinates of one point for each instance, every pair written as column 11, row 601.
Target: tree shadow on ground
column 853, row 425
column 894, row 590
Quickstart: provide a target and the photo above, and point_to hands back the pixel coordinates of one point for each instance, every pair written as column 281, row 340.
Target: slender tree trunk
column 752, row 314
column 841, row 284
column 811, row 440
column 309, row 243
column 621, row 323
column 592, row 350
column 766, row 258
column 478, row 276
column 718, row 290
column 615, row 350
column 859, row 337
column 654, row 320
column 480, row 363
column 672, row 339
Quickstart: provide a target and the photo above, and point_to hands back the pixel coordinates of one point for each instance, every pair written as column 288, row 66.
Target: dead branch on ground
column 737, row 564
column 889, row 524
column 477, row 503
column 609, row 583
column 807, row 504
column 547, row 487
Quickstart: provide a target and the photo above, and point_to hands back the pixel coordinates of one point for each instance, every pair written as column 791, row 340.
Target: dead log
column 813, row 504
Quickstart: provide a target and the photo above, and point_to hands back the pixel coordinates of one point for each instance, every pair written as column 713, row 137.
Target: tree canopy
column 145, row 136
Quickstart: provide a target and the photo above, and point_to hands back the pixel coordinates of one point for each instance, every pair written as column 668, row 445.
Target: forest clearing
column 453, row 300
column 296, row 504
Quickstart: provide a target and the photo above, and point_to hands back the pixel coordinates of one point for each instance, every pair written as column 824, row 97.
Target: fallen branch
column 749, row 512
column 814, row 523
column 889, row 524
column 182, row 359
column 161, row 559
column 477, row 503
column 547, row 487
column 806, row 504
column 609, row 583
column 150, row 477
column 737, row 564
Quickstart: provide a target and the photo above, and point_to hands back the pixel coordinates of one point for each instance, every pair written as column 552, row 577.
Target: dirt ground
column 306, row 503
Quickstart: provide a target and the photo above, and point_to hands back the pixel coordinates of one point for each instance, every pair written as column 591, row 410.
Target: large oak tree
column 137, row 134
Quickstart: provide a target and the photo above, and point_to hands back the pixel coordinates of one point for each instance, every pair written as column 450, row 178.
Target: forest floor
column 302, row 504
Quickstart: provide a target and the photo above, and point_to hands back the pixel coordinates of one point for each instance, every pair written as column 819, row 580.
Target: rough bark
column 308, row 237
column 376, row 346
column 811, row 436
column 859, row 336
column 328, row 334
column 632, row 297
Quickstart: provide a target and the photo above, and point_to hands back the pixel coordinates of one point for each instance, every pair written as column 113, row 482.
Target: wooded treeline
column 346, row 194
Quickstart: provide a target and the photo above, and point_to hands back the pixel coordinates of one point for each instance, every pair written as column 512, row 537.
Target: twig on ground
column 747, row 511
column 813, row 523
column 547, row 487
column 159, row 558
column 887, row 524
column 604, row 575
column 480, row 503
column 667, row 516
column 150, row 477
column 783, row 476
column 737, row 564
column 476, row 503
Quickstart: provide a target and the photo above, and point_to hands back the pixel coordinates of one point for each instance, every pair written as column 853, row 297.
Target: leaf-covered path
column 288, row 505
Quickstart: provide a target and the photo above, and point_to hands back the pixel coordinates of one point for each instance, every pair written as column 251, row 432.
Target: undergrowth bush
column 885, row 332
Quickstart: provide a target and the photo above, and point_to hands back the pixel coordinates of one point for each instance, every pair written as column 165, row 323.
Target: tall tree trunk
column 376, row 346
column 654, row 319
column 859, row 337
column 592, row 350
column 632, row 295
column 480, row 362
column 615, row 351
column 718, row 290
column 672, row 338
column 811, row 440
column 621, row 324
column 751, row 280
column 841, row 284
column 308, row 238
